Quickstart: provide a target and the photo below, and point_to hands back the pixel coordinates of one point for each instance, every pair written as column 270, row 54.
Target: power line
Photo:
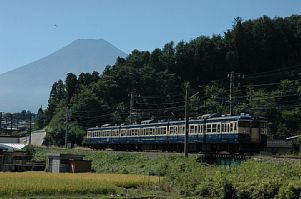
column 168, row 103
column 276, row 71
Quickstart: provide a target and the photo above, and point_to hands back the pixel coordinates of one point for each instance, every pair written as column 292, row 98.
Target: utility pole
column 30, row 119
column 186, row 143
column 131, row 106
column 11, row 124
column 67, row 125
column 1, row 122
column 231, row 76
column 6, row 127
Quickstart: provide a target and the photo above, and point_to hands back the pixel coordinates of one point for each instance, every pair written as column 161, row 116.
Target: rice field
column 41, row 183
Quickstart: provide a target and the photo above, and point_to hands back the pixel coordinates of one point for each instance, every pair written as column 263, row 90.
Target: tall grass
column 40, row 183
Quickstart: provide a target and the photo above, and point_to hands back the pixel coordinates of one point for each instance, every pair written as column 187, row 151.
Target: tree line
column 265, row 55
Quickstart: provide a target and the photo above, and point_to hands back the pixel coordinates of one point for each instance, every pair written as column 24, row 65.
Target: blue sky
column 28, row 31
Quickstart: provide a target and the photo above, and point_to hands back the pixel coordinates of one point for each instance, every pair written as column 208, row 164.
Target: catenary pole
column 30, row 121
column 131, row 106
column 230, row 94
column 186, row 143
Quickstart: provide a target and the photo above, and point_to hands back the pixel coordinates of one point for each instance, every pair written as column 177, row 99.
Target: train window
column 244, row 124
column 149, row 131
column 164, row 130
column 195, row 128
column 208, row 128
column 159, row 130
column 219, row 128
column 204, row 128
column 235, row 126
column 201, row 129
column 153, row 131
column 231, row 127
column 191, row 129
column 181, row 129
column 171, row 130
column 213, row 128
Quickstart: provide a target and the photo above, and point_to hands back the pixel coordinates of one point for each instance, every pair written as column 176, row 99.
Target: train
column 208, row 133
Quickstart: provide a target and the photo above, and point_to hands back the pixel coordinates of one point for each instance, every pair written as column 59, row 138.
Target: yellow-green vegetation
column 41, row 183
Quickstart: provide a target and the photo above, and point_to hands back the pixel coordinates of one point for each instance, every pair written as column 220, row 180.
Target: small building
column 13, row 157
column 70, row 163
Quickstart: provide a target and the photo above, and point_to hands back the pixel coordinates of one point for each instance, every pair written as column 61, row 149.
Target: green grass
column 119, row 162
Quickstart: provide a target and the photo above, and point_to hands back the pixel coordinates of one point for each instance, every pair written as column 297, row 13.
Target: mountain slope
column 28, row 87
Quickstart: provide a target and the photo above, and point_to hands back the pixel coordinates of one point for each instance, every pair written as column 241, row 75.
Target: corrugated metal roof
column 12, row 146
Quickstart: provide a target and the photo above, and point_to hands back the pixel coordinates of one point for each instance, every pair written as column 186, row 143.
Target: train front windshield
column 244, row 124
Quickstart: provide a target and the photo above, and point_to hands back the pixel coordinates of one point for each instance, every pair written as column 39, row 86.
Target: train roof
column 191, row 121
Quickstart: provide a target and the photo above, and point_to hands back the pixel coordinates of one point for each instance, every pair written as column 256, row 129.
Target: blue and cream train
column 234, row 134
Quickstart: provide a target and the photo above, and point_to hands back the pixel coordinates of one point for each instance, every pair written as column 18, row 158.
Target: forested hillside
column 264, row 56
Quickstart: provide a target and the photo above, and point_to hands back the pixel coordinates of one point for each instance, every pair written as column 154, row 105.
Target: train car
column 234, row 134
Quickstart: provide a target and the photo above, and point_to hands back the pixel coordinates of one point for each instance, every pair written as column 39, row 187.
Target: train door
column 255, row 131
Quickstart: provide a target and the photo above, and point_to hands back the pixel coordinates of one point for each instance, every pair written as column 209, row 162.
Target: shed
column 72, row 163
column 13, row 157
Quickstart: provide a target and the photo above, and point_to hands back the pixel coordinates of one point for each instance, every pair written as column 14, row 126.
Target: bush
column 291, row 190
